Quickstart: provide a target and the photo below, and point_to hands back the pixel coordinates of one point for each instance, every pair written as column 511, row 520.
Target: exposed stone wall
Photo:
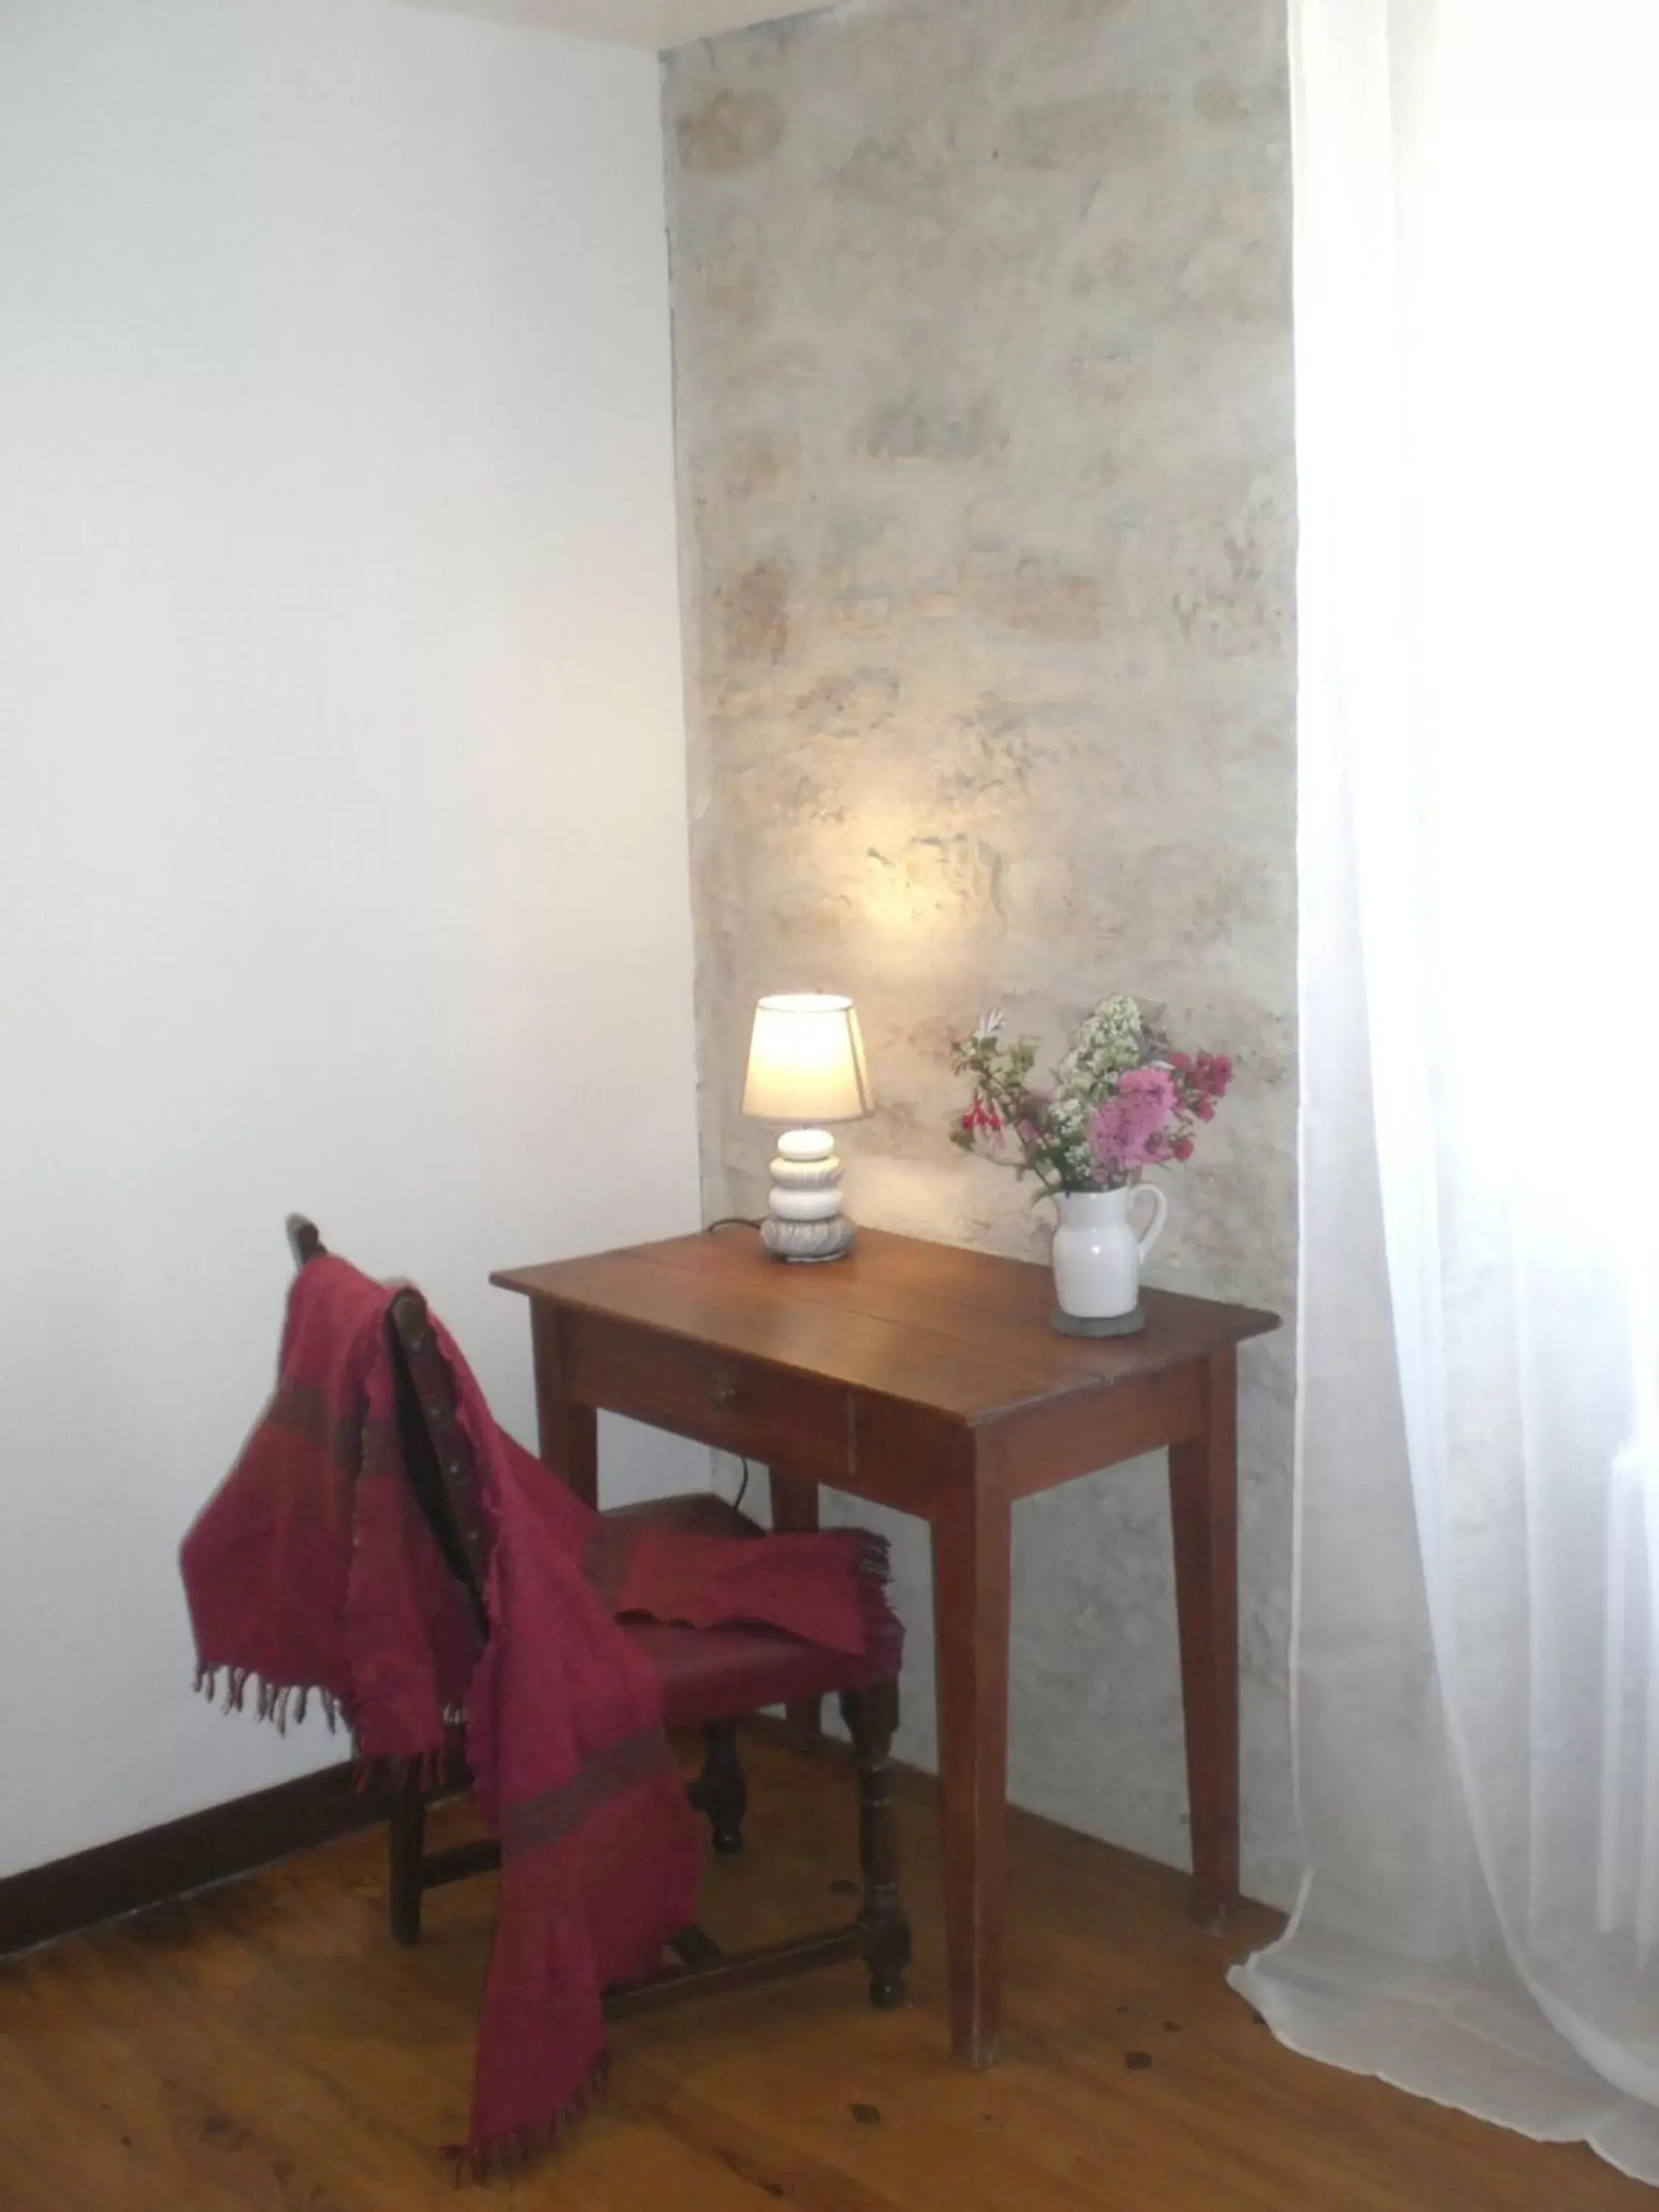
column 982, row 326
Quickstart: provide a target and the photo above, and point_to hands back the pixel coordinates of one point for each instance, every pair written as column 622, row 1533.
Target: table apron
column 912, row 1458
column 1038, row 1447
column 737, row 1404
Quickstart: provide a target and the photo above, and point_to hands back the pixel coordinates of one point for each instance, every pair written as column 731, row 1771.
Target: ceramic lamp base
column 809, row 1240
column 805, row 1221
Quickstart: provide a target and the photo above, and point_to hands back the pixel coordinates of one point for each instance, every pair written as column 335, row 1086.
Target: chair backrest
column 437, row 1453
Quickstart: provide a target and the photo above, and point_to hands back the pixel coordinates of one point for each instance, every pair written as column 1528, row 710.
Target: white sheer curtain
column 1477, row 1670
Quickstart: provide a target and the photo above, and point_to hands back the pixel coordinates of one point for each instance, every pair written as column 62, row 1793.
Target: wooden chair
column 712, row 1679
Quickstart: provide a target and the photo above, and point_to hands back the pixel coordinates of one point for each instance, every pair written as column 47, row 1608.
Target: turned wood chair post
column 304, row 1240
column 439, row 1468
column 720, row 1790
column 407, row 1838
column 871, row 1717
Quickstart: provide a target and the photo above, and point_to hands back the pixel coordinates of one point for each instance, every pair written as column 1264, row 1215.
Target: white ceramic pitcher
column 1097, row 1255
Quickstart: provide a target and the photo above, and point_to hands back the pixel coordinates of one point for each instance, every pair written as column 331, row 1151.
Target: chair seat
column 722, row 1673
column 690, row 1513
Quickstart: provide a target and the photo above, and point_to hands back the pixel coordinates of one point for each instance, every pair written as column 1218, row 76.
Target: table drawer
column 799, row 1422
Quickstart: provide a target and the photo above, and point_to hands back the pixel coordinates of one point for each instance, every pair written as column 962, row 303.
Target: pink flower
column 1213, row 1071
column 1201, row 1082
column 1128, row 1133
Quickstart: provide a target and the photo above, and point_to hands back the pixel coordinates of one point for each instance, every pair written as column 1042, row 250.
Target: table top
column 962, row 1333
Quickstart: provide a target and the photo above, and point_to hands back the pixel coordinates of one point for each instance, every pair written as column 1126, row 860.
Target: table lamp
column 806, row 1068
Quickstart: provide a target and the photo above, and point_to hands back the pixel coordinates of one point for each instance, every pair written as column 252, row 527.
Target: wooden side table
column 929, row 1379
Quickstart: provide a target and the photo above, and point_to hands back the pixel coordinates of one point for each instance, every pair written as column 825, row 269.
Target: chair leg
column 722, row 1791
column 871, row 1716
column 408, row 1838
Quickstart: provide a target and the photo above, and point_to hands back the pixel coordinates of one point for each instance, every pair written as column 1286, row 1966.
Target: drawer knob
column 724, row 1394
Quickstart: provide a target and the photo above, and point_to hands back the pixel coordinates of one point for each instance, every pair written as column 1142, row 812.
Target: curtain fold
column 1476, row 1679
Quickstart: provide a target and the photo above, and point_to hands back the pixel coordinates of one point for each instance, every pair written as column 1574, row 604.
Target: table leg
column 971, row 1540
column 795, row 1512
column 1204, row 1511
column 568, row 1434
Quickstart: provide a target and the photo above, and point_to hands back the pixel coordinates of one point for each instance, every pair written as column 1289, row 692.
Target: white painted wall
column 342, row 806
column 654, row 23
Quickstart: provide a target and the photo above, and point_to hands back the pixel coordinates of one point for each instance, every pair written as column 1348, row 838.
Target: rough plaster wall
column 983, row 327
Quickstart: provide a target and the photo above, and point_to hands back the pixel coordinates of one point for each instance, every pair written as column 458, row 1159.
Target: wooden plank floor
column 266, row 2048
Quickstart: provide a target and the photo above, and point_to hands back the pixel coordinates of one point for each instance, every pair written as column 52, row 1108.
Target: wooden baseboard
column 49, row 1901
column 159, row 1864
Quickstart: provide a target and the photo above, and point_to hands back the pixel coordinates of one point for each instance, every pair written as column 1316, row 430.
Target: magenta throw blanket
column 313, row 1571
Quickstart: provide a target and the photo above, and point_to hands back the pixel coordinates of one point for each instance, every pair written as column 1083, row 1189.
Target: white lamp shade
column 807, row 1061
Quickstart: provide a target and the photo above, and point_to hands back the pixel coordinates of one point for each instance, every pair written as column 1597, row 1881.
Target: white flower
column 987, row 1026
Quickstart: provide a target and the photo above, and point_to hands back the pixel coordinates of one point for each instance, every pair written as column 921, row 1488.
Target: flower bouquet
column 1121, row 1100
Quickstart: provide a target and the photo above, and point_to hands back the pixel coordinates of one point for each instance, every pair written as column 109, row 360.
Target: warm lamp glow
column 807, row 1061
column 806, row 1065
